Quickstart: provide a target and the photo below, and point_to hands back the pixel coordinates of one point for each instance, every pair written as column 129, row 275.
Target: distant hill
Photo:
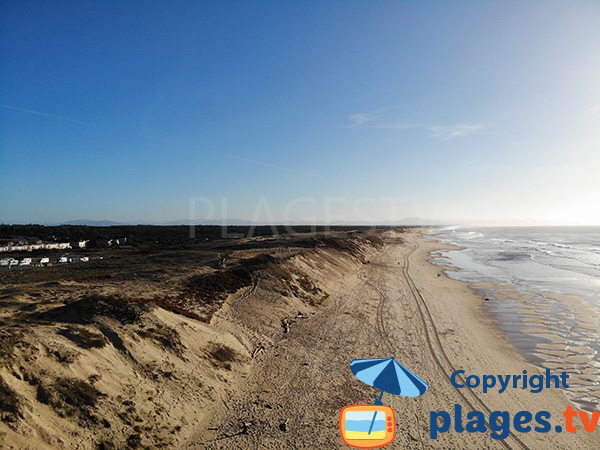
column 92, row 223
column 110, row 223
column 206, row 222
column 237, row 222
column 419, row 221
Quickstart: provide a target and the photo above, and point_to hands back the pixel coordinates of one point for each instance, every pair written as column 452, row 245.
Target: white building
column 42, row 246
column 25, row 262
column 59, row 245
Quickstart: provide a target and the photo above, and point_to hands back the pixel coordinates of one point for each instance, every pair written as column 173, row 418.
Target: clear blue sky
column 300, row 111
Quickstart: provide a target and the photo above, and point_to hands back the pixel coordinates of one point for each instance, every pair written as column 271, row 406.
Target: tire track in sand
column 384, row 335
column 436, row 348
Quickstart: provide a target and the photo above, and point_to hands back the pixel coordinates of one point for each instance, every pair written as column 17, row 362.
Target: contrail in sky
column 38, row 113
column 277, row 167
column 592, row 110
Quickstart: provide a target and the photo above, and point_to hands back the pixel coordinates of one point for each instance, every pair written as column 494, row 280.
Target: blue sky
column 145, row 111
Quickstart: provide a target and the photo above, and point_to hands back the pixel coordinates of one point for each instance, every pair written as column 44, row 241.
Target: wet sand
column 550, row 339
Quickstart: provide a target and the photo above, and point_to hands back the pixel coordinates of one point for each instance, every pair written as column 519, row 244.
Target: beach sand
column 397, row 305
column 272, row 368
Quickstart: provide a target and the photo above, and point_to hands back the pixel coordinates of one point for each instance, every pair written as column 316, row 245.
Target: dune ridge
column 102, row 364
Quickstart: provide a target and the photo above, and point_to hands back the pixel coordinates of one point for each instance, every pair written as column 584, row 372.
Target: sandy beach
column 397, row 305
column 269, row 225
column 271, row 368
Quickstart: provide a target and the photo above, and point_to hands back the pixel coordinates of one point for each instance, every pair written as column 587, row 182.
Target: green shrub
column 165, row 336
column 87, row 310
column 10, row 405
column 70, row 398
column 83, row 337
column 223, row 355
column 8, row 340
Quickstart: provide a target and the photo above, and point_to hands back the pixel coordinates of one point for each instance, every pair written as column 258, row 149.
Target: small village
column 44, row 261
column 30, row 244
column 27, row 244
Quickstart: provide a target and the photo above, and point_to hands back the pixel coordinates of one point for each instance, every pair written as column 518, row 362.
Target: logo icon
column 374, row 426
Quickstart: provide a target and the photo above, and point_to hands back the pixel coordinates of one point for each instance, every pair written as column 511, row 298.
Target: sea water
column 548, row 301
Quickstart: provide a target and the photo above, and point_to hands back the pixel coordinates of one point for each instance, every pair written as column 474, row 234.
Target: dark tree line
column 162, row 236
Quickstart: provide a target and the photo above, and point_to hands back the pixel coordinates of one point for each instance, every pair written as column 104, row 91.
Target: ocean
column 542, row 285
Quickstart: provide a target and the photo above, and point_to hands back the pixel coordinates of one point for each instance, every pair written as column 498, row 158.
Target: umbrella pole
column 377, row 402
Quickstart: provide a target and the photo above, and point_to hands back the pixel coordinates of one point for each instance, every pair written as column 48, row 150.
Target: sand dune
column 271, row 369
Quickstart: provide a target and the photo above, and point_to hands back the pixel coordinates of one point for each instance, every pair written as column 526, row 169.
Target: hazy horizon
column 233, row 222
column 299, row 112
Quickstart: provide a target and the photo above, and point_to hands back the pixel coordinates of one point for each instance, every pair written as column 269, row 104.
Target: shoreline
column 502, row 356
column 519, row 314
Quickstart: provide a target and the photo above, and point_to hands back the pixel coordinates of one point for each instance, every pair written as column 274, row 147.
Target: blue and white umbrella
column 388, row 375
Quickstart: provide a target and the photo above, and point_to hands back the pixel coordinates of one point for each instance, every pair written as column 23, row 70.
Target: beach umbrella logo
column 373, row 426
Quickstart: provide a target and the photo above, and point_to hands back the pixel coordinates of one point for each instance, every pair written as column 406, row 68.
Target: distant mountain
column 92, row 223
column 505, row 223
column 232, row 222
column 206, row 222
column 419, row 221
column 109, row 223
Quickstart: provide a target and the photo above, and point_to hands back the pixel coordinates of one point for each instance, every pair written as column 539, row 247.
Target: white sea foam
column 537, row 260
